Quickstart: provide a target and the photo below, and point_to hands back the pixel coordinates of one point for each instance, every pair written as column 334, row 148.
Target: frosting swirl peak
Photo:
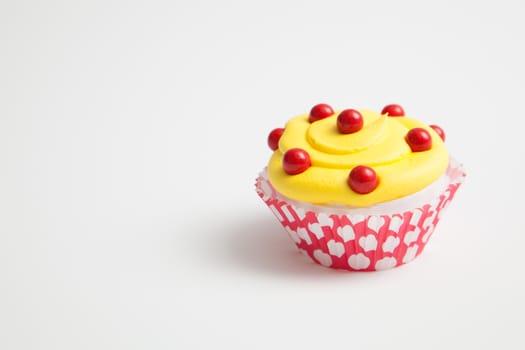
column 380, row 144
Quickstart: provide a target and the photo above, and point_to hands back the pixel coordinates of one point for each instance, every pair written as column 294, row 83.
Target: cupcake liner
column 353, row 240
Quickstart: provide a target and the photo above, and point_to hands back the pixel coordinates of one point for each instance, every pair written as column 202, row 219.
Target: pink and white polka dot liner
column 355, row 241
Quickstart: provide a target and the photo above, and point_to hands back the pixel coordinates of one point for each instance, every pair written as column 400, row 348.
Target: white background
column 131, row 134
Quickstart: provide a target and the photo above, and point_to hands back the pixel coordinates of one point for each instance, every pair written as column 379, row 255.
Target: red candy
column 320, row 111
column 419, row 140
column 296, row 161
column 393, row 110
column 439, row 131
column 349, row 121
column 274, row 137
column 363, row 179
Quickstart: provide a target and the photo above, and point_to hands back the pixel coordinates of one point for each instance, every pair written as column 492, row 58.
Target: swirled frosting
column 380, row 144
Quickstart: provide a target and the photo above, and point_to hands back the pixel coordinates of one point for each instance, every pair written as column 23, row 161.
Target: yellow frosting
column 380, row 144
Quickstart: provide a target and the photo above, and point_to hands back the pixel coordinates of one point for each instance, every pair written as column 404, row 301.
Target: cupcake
column 357, row 189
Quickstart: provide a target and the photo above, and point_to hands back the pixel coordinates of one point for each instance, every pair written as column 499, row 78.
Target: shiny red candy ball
column 363, row 179
column 419, row 140
column 320, row 111
column 274, row 137
column 393, row 110
column 438, row 131
column 296, row 161
column 349, row 121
